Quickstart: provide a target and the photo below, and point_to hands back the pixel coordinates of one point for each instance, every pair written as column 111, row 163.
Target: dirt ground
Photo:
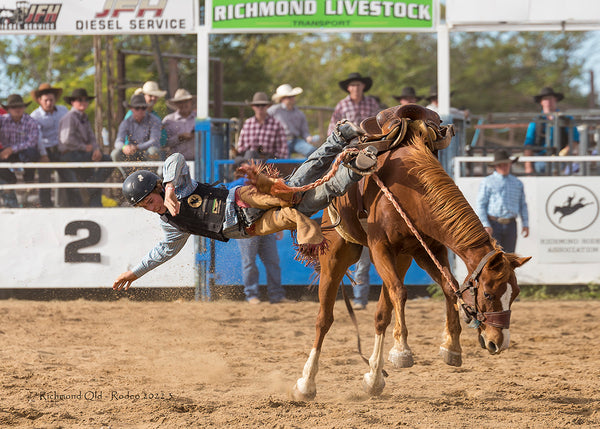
column 126, row 364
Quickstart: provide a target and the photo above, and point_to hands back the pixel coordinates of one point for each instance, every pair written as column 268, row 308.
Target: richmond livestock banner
column 335, row 15
column 98, row 17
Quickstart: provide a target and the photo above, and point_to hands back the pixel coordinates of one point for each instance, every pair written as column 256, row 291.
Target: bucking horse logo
column 568, row 208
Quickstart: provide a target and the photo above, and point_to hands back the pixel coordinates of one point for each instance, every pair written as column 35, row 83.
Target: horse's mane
column 448, row 204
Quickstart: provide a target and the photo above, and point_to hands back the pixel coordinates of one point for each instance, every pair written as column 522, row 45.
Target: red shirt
column 268, row 137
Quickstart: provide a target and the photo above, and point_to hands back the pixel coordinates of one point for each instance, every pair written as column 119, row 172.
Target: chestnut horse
column 444, row 219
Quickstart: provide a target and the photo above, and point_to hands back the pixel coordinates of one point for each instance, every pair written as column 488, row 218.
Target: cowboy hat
column 259, row 99
column 14, row 100
column 501, row 156
column 408, row 92
column 356, row 77
column 137, row 100
column 152, row 88
column 180, row 96
column 286, row 90
column 546, row 91
column 46, row 88
column 77, row 94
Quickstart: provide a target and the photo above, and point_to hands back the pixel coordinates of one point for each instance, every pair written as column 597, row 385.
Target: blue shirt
column 176, row 171
column 530, row 138
column 48, row 124
column 144, row 134
column 503, row 197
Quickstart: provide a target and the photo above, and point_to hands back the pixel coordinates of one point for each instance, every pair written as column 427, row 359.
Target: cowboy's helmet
column 138, row 185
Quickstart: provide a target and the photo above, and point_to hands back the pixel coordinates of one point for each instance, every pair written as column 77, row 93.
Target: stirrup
column 363, row 162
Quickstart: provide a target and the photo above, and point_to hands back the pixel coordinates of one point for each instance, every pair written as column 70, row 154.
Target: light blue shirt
column 144, row 134
column 48, row 124
column 503, row 197
column 176, row 171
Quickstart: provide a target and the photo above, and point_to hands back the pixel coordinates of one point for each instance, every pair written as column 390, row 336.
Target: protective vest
column 201, row 213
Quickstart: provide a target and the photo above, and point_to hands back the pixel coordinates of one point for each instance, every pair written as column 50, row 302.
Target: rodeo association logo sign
column 25, row 16
column 572, row 208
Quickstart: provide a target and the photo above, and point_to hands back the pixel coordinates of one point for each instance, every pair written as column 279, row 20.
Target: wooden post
column 120, row 85
column 98, row 89
column 110, row 91
column 173, row 76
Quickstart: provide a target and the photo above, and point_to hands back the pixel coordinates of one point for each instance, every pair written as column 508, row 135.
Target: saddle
column 388, row 129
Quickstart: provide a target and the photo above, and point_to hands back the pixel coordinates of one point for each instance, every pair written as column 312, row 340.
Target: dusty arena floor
column 130, row 364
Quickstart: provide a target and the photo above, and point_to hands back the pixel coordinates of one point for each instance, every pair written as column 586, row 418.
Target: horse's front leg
column 450, row 349
column 401, row 355
column 333, row 267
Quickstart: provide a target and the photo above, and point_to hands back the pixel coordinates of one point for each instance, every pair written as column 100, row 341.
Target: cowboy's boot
column 362, row 162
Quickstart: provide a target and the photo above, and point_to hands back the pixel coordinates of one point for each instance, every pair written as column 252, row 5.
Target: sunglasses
column 138, row 108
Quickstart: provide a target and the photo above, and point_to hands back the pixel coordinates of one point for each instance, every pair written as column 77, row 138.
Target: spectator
column 356, row 106
column 536, row 132
column 142, row 132
column 500, row 200
column 19, row 134
column 293, row 120
column 77, row 143
column 152, row 92
column 432, row 98
column 262, row 133
column 408, row 96
column 48, row 116
column 363, row 280
column 180, row 124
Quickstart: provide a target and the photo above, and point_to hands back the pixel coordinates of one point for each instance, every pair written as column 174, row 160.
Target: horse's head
column 487, row 295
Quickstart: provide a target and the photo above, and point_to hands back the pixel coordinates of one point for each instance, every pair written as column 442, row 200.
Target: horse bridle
column 471, row 313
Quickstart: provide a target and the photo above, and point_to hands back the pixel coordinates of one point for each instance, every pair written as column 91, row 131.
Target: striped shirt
column 18, row 135
column 268, row 137
column 503, row 197
column 354, row 112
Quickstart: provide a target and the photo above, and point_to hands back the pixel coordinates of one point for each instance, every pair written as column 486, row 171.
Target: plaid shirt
column 347, row 109
column 503, row 197
column 268, row 137
column 18, row 135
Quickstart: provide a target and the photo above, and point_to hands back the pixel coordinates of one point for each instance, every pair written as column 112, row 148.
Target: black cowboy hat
column 137, row 100
column 408, row 92
column 46, row 88
column 546, row 91
column 14, row 100
column 501, row 156
column 356, row 76
column 259, row 99
column 78, row 94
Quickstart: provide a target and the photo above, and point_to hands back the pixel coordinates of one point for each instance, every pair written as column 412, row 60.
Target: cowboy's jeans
column 265, row 247
column 362, row 278
column 315, row 167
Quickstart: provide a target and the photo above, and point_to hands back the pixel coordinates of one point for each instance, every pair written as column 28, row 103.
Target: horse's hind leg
column 450, row 349
column 391, row 297
column 333, row 267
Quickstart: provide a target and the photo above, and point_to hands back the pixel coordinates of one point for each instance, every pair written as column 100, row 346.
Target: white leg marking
column 373, row 381
column 505, row 300
column 307, row 385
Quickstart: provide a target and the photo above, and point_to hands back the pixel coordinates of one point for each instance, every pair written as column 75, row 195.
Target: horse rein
column 472, row 315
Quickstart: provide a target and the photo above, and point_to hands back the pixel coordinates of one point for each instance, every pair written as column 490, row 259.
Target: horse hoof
column 372, row 385
column 301, row 392
column 451, row 358
column 401, row 359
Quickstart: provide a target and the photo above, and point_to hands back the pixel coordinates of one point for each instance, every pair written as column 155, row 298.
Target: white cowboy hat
column 286, row 90
column 180, row 95
column 151, row 88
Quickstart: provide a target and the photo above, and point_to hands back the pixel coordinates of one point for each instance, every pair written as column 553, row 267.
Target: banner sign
column 337, row 15
column 79, row 248
column 75, row 17
column 564, row 225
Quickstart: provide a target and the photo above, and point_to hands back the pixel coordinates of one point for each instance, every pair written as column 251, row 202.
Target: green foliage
column 574, row 292
column 435, row 291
